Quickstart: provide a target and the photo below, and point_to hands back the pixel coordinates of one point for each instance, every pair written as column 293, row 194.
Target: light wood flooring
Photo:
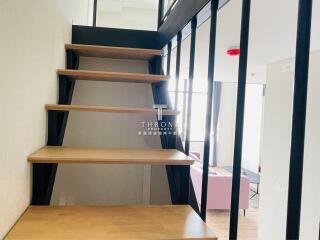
column 248, row 225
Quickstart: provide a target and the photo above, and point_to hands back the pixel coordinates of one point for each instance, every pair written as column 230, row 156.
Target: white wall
column 32, row 48
column 276, row 153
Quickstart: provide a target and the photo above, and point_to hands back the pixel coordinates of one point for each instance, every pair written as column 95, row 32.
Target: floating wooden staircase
column 106, row 222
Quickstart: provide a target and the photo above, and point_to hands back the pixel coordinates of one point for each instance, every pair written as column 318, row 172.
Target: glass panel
column 83, row 13
column 198, row 117
column 201, row 58
column 128, row 14
column 172, row 81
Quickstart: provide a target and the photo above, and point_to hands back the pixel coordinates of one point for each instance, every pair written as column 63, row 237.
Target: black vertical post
column 184, row 110
column 299, row 119
column 95, row 6
column 178, row 60
column 160, row 12
column 242, row 78
column 169, row 58
column 191, row 76
column 176, row 96
column 212, row 49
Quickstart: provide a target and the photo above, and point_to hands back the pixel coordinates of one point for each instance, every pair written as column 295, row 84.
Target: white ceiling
column 118, row 5
column 273, row 27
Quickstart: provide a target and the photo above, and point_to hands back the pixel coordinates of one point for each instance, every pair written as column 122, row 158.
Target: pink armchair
column 219, row 189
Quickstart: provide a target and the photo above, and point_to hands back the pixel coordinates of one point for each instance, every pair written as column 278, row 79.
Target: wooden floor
column 111, row 222
column 247, row 228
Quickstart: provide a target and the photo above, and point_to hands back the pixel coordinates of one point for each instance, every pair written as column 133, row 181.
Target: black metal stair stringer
column 180, row 184
column 44, row 174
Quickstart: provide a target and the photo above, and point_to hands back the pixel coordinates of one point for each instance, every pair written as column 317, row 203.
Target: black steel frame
column 242, row 79
column 114, row 37
column 178, row 65
column 191, row 75
column 206, row 152
column 44, row 174
column 160, row 12
column 169, row 48
column 95, row 8
column 299, row 118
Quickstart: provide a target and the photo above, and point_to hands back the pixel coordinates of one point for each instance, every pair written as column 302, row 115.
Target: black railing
column 206, row 152
column 299, row 118
column 176, row 20
column 174, row 23
column 242, row 79
column 191, row 75
column 95, row 8
column 160, row 12
column 178, row 66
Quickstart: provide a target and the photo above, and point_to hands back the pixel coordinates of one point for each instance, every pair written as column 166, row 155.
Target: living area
column 267, row 119
column 221, row 164
column 221, row 155
column 223, row 124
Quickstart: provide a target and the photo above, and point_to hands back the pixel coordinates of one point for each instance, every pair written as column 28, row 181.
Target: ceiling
column 273, row 27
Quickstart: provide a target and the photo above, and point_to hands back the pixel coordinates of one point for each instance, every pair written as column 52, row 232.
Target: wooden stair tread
column 110, row 222
column 114, row 52
column 85, row 108
column 112, row 76
column 51, row 154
